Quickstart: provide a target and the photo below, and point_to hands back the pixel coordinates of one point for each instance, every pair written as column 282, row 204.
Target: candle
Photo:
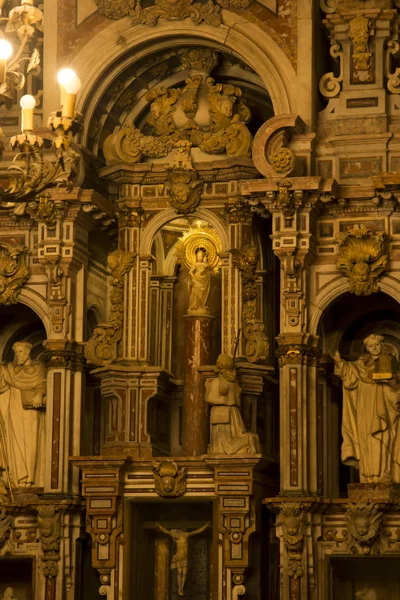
column 5, row 53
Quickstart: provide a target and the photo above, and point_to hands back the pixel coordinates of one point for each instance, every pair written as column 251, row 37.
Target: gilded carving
column 359, row 34
column 116, row 9
column 184, row 190
column 50, row 535
column 287, row 200
column 169, row 479
column 283, row 160
column 129, row 216
column 364, row 522
column 362, row 258
column 297, row 354
column 292, row 520
column 257, row 343
column 100, row 349
column 238, row 212
column 13, row 272
column 46, row 211
column 173, row 117
column 178, row 10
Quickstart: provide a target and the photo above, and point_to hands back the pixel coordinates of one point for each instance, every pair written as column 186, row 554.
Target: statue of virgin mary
column 199, row 283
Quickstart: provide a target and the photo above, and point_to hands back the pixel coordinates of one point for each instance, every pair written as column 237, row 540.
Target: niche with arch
column 343, row 326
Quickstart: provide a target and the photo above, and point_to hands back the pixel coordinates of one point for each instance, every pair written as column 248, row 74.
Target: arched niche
column 343, row 326
column 18, row 323
column 102, row 61
column 169, row 298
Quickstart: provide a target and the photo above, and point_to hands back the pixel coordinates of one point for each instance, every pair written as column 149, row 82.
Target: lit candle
column 27, row 104
column 5, row 53
column 24, row 2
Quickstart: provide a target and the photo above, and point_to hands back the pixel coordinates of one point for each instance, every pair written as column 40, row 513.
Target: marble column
column 198, row 342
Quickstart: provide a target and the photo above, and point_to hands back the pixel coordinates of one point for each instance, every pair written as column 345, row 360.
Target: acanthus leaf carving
column 14, row 271
column 100, row 349
column 257, row 343
column 362, row 258
column 359, row 35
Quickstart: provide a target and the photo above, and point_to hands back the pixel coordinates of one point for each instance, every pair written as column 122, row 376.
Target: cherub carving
column 364, row 524
column 292, row 521
column 50, row 533
column 362, row 259
column 169, row 479
column 245, row 260
column 184, row 190
column 161, row 112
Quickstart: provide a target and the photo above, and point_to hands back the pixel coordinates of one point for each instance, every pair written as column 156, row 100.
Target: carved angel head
column 363, row 522
column 291, row 517
column 170, row 480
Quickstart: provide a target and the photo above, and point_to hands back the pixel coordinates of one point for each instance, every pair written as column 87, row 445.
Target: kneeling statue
column 227, row 431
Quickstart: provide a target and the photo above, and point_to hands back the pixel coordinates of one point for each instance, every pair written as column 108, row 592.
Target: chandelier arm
column 20, row 51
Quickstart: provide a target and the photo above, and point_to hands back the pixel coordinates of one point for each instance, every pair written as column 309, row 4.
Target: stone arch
column 101, row 57
column 387, row 284
column 39, row 306
column 165, row 216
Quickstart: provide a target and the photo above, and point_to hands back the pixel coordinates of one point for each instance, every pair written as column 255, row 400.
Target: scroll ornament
column 100, row 349
column 225, row 131
column 362, row 258
column 50, row 536
column 169, row 479
column 257, row 343
column 198, row 12
column 13, row 272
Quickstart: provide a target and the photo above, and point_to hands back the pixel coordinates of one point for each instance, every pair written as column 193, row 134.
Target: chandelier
column 30, row 174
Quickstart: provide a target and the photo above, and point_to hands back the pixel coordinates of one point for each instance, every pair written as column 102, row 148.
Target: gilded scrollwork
column 14, row 272
column 359, row 35
column 257, row 343
column 173, row 117
column 169, row 479
column 362, row 258
column 116, row 9
column 178, row 10
column 100, row 349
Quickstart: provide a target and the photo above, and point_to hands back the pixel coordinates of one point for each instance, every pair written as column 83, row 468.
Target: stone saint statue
column 199, row 283
column 227, row 431
column 371, row 408
column 22, row 402
column 367, row 594
column 9, row 594
column 180, row 558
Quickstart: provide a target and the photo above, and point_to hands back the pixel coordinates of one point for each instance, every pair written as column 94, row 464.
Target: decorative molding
column 291, row 517
column 257, row 343
column 49, row 520
column 100, row 349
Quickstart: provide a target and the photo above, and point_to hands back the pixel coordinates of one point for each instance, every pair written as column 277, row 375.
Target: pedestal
column 198, row 341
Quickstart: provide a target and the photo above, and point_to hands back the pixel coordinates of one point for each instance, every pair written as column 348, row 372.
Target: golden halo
column 194, row 239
